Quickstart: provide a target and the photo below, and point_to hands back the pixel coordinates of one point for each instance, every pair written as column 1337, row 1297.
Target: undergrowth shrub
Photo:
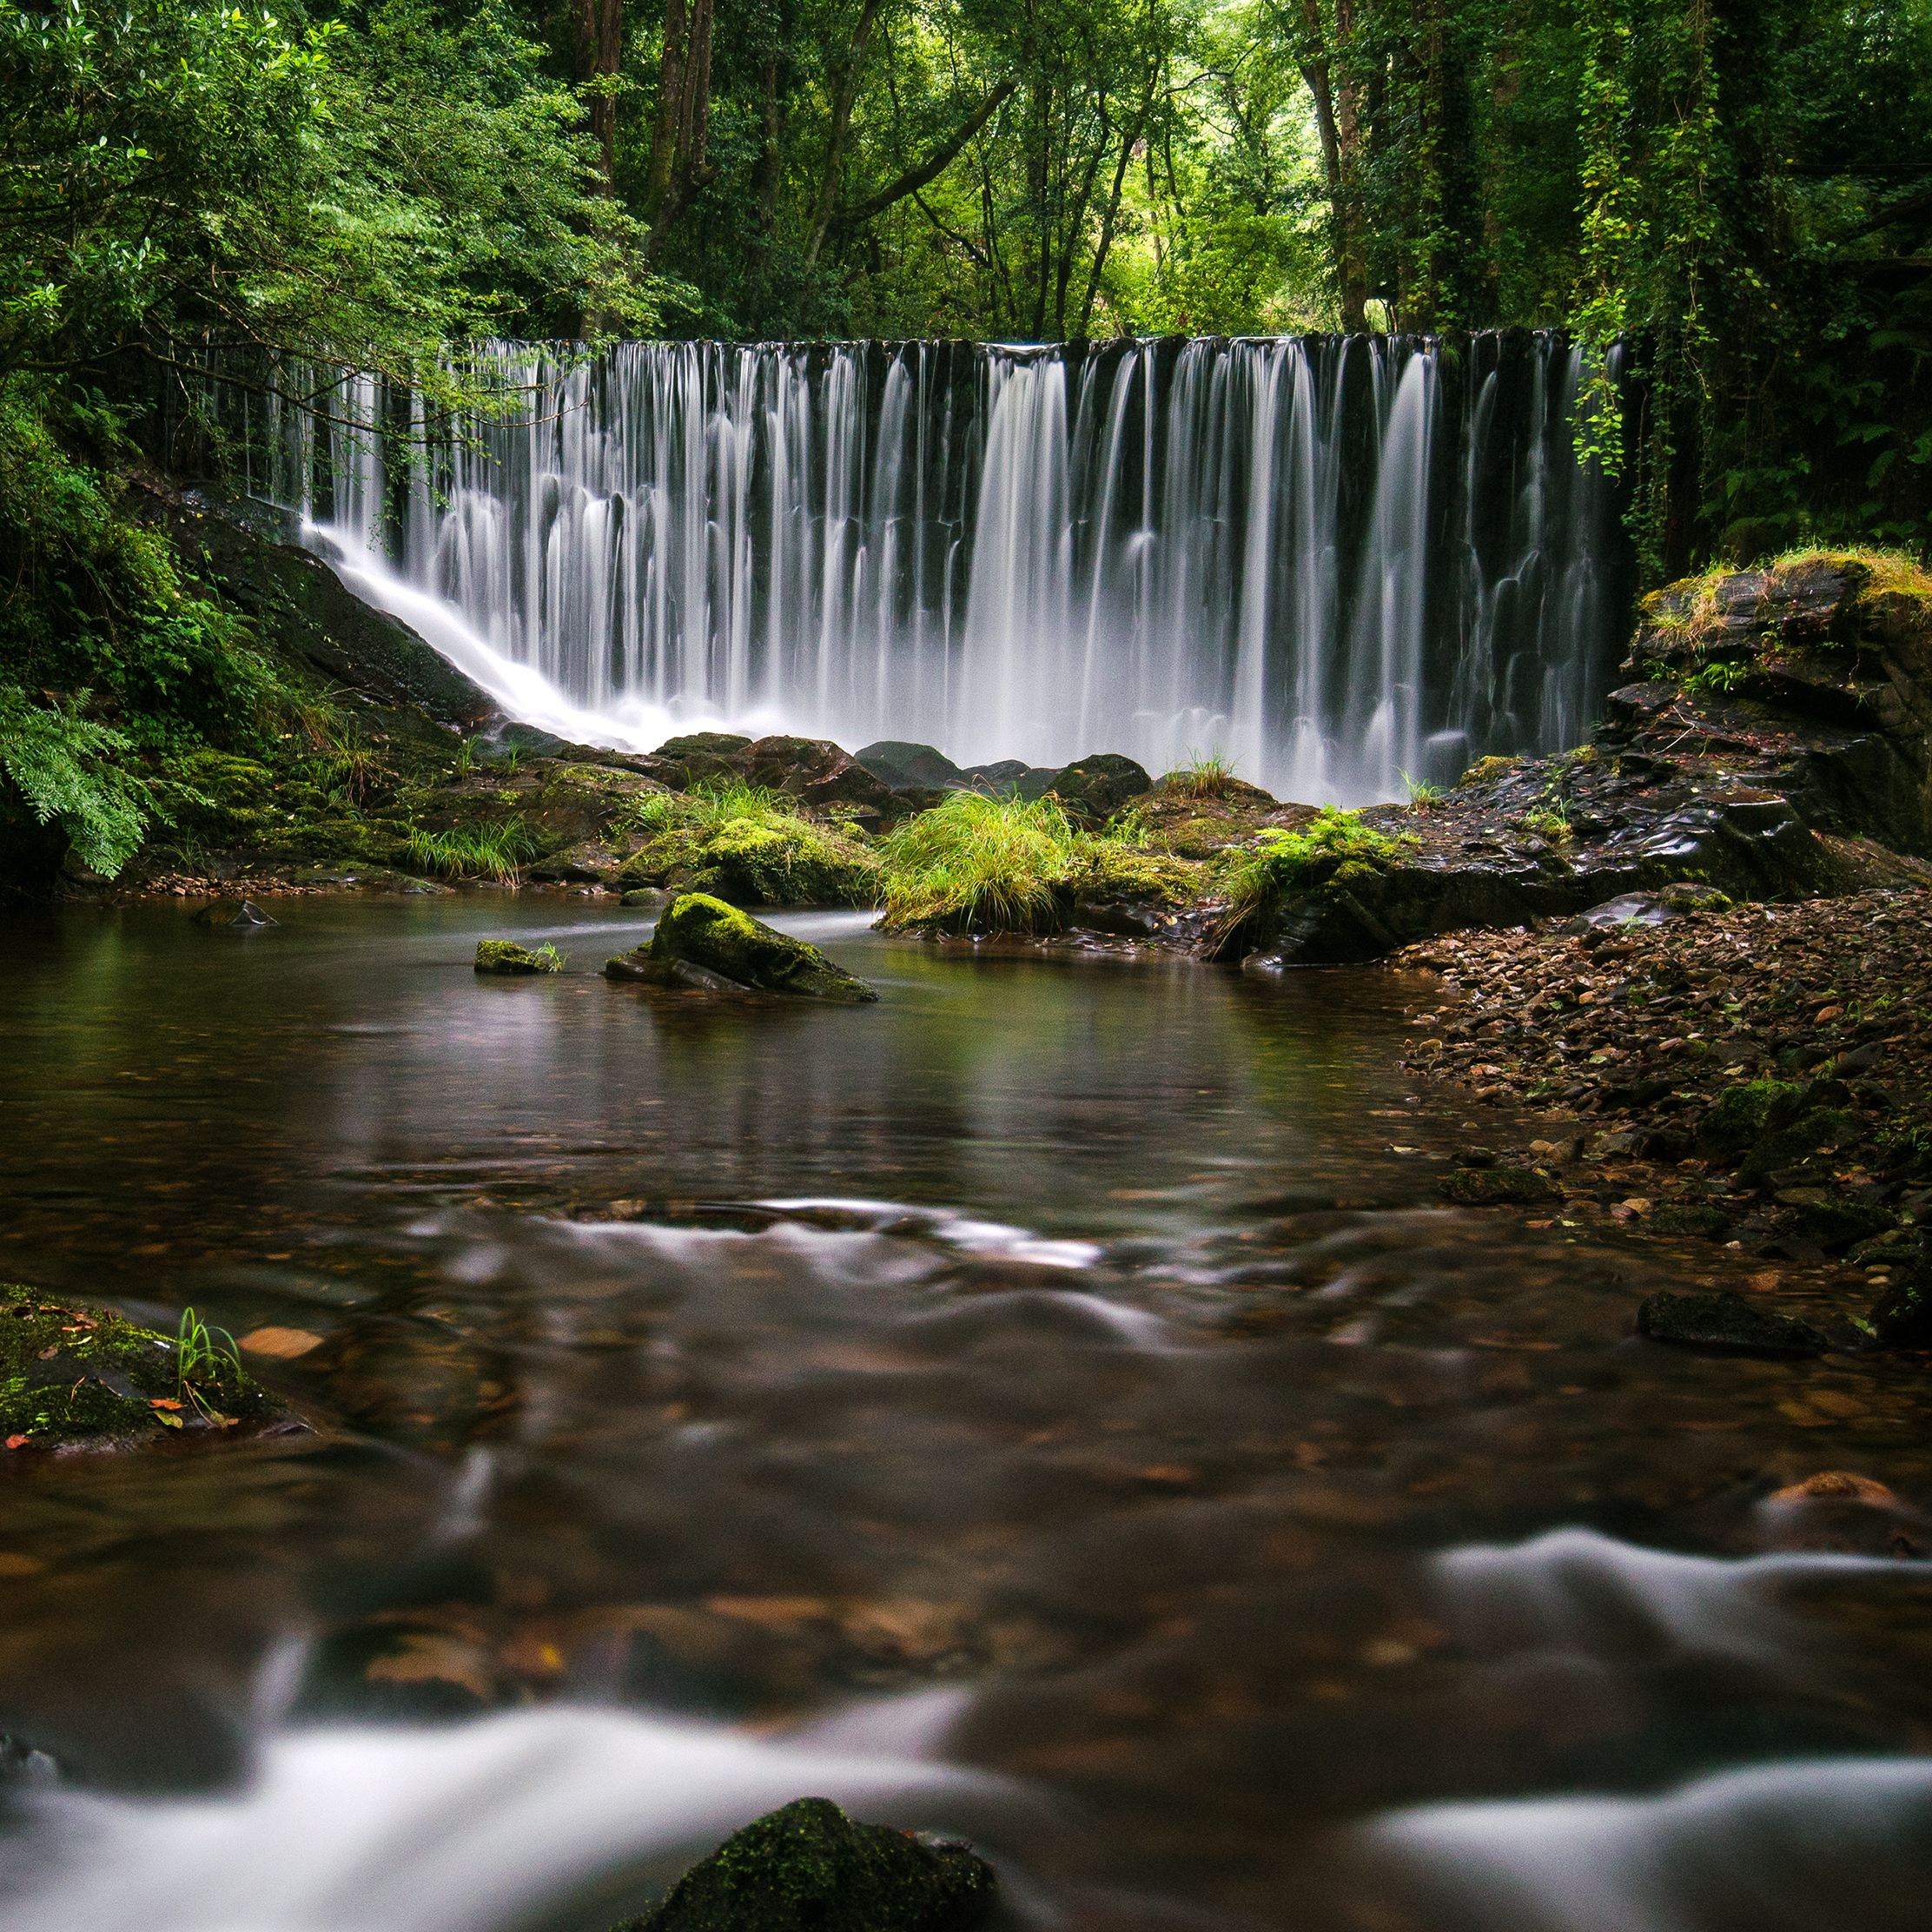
column 493, row 851
column 64, row 768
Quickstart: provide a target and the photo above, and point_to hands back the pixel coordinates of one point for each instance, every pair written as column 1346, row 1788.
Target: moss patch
column 85, row 1375
column 505, row 956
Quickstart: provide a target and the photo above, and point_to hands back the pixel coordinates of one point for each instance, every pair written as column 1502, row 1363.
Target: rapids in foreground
column 1042, row 1405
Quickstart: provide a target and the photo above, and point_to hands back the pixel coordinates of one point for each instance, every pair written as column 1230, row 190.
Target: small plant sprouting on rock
column 548, row 958
column 1723, row 679
column 1422, row 796
column 506, row 956
column 199, row 1358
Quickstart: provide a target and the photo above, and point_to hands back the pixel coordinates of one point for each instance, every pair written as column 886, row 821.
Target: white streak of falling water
column 944, row 544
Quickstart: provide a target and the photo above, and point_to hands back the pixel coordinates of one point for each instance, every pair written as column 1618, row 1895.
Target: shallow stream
column 1045, row 1405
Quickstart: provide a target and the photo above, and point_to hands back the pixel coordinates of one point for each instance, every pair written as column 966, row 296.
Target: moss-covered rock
column 505, row 956
column 1837, row 1223
column 72, row 1375
column 706, row 932
column 1498, row 1186
column 1738, row 1119
column 759, row 858
column 1726, row 1320
column 808, row 1868
column 1706, row 1223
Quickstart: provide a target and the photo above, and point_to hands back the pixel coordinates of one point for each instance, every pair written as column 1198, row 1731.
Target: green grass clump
column 748, row 846
column 1002, row 865
column 485, row 851
column 1206, row 774
column 1283, row 863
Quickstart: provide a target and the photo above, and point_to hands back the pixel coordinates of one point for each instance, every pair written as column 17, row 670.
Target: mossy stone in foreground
column 1726, row 1320
column 808, row 1868
column 505, row 956
column 706, row 932
column 74, row 1375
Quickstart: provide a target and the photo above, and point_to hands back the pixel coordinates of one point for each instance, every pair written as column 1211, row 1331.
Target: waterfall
column 1338, row 560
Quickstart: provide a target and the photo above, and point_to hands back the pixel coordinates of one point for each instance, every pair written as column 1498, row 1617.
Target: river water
column 1051, row 1404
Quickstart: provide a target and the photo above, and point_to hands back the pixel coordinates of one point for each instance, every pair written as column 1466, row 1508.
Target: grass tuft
column 1206, row 774
column 489, row 851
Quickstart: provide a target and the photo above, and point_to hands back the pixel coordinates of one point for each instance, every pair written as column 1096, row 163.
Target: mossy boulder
column 72, row 1376
column 1726, row 1320
column 506, row 957
column 808, row 1868
column 1739, row 1117
column 763, row 857
column 706, row 932
column 711, row 744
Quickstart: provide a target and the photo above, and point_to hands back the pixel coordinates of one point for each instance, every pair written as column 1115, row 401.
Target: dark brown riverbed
column 1052, row 1372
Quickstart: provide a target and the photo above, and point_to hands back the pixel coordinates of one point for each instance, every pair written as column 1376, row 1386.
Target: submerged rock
column 1902, row 1317
column 702, row 931
column 238, row 915
column 77, row 1377
column 1726, row 1320
column 808, row 1868
column 505, row 956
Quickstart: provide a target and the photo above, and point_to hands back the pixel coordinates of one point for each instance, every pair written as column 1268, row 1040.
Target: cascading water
column 1339, row 561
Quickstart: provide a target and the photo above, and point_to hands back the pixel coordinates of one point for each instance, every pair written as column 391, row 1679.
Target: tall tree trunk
column 767, row 175
column 844, row 93
column 1338, row 119
column 599, row 26
column 678, row 168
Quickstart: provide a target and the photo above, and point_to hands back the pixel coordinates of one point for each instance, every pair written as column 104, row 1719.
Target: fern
column 62, row 764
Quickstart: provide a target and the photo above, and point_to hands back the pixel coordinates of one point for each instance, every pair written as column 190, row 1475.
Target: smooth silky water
column 1043, row 1405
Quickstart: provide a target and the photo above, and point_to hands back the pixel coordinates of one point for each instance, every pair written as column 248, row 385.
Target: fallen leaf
column 172, row 1421
column 283, row 1344
column 16, row 1442
column 164, row 1402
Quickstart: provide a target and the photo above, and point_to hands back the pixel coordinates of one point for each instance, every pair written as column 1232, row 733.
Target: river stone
column 708, row 933
column 77, row 1376
column 1726, row 1320
column 505, row 956
column 1097, row 787
column 1707, row 1223
column 808, row 1868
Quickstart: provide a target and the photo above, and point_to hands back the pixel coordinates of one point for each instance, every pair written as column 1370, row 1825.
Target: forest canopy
column 1742, row 195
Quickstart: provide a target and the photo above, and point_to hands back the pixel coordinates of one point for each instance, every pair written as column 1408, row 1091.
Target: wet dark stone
column 240, row 915
column 1726, row 1320
column 1498, row 1186
column 907, row 767
column 1095, row 787
column 808, row 1868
